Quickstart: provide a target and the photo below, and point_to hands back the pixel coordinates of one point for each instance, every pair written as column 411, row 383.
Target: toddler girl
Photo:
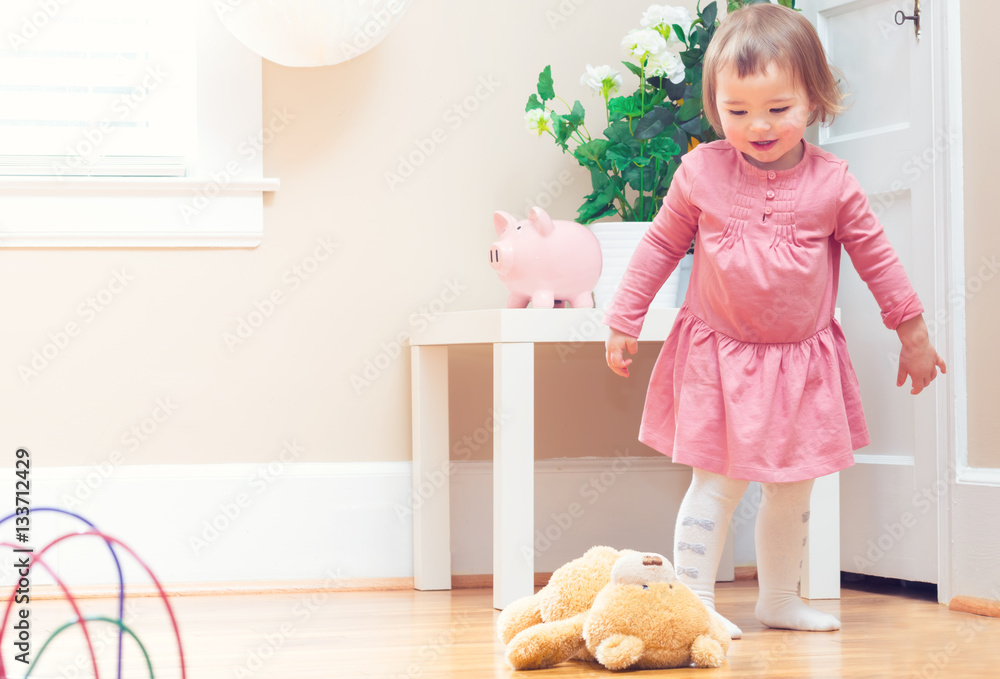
column 754, row 382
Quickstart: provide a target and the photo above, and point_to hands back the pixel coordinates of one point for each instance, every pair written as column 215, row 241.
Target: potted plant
column 646, row 132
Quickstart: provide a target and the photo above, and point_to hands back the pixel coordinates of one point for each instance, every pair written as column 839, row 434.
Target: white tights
column 781, row 530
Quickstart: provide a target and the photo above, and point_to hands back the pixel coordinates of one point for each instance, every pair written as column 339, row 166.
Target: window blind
column 97, row 87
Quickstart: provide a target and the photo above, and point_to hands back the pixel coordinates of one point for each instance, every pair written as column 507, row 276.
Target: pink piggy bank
column 543, row 261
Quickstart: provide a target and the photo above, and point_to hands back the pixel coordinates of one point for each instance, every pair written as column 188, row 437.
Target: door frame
column 951, row 392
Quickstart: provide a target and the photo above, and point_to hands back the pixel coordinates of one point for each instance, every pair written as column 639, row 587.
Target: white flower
column 666, row 64
column 643, row 42
column 602, row 79
column 663, row 17
column 539, row 119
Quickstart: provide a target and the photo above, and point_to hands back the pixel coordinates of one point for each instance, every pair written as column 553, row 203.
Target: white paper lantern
column 310, row 32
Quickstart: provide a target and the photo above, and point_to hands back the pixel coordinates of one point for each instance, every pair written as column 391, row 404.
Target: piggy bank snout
column 501, row 256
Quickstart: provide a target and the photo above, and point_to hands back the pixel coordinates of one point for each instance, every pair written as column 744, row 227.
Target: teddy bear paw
column 620, row 651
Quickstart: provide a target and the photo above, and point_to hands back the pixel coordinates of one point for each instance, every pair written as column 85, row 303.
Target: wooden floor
column 451, row 634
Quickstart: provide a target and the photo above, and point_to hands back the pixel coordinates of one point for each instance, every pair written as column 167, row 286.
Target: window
column 121, row 123
column 100, row 87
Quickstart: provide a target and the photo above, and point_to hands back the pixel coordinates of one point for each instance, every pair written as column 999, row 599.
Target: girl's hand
column 615, row 347
column 918, row 359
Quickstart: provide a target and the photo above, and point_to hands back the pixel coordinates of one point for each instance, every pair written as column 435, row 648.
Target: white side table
column 513, row 334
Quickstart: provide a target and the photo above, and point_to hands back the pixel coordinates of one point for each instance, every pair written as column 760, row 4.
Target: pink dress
column 754, row 381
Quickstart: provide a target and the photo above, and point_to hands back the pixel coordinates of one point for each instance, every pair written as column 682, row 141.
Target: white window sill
column 121, row 212
column 204, row 185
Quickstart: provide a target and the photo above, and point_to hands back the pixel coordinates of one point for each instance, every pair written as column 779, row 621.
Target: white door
column 889, row 498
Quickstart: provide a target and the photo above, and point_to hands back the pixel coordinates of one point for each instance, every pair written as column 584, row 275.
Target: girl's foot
column 789, row 612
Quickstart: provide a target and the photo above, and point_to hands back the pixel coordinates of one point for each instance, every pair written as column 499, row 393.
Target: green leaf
column 641, row 207
column 691, row 58
column 619, row 133
column 690, row 109
column 593, row 150
column 598, row 178
column 624, row 107
column 533, row 103
column 680, row 33
column 673, row 91
column 658, row 98
column 710, row 13
column 607, row 211
column 696, row 82
column 644, row 177
column 668, row 175
column 545, row 89
column 681, row 139
column 632, row 67
column 663, row 148
column 654, row 122
column 620, row 156
column 577, row 115
column 597, row 204
column 692, row 127
column 559, row 127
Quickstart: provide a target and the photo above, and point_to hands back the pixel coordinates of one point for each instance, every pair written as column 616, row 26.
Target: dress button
column 770, row 194
column 767, row 211
column 771, row 175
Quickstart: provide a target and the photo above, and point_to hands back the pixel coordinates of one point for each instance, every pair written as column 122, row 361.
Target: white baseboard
column 307, row 521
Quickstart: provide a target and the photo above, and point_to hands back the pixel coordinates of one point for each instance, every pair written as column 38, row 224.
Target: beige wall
column 980, row 101
column 162, row 338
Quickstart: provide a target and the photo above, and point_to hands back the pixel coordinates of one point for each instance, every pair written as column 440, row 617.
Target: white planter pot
column 618, row 241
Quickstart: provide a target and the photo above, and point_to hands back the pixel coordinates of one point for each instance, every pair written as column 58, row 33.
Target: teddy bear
column 623, row 609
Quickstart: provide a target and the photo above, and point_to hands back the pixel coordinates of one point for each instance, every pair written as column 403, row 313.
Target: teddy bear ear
column 642, row 568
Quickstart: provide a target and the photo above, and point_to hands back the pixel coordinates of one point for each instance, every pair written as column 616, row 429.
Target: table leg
column 821, row 563
column 513, row 472
column 431, row 491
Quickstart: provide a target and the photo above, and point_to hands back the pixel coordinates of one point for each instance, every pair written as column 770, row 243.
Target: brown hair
column 752, row 38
